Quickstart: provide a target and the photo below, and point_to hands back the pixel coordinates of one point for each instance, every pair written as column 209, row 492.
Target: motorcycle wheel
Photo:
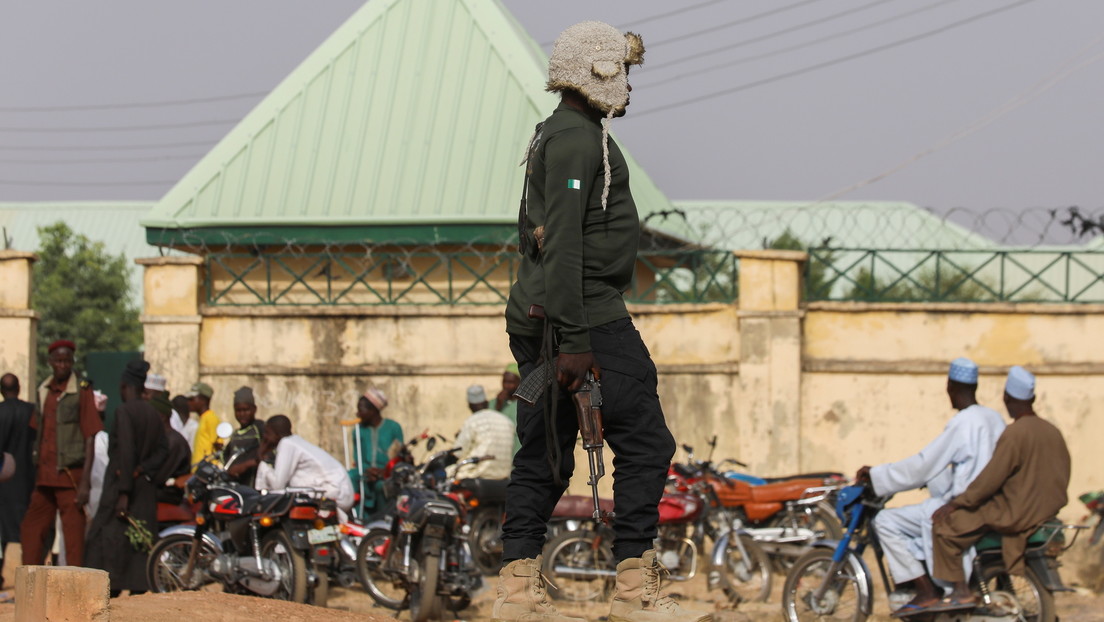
column 820, row 518
column 583, row 549
column 319, row 592
column 484, row 529
column 276, row 546
column 168, row 558
column 369, row 565
column 1036, row 602
column 746, row 578
column 842, row 600
column 425, row 602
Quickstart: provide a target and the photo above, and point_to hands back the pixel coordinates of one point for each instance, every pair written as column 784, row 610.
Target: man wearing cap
column 485, row 433
column 199, row 402
column 506, row 403
column 946, row 466
column 1022, row 487
column 156, row 384
column 67, row 423
column 246, row 439
column 137, row 447
column 578, row 236
column 375, row 441
column 17, row 441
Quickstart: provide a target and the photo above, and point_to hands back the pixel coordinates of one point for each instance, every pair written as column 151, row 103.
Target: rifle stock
column 588, row 408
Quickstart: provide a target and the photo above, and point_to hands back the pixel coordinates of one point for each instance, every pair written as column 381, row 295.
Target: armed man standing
column 579, row 233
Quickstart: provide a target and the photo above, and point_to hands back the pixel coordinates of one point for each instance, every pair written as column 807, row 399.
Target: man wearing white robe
column 946, row 466
column 299, row 464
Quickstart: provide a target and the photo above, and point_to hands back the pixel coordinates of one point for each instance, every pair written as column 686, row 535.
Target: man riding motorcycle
column 946, row 466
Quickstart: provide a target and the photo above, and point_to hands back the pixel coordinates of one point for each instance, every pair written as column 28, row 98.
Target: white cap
column 156, row 382
column 1020, row 384
column 476, row 395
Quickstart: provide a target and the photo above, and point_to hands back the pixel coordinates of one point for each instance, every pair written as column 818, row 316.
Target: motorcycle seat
column 992, row 540
column 579, row 506
column 820, row 475
column 269, row 504
column 488, row 491
column 788, row 490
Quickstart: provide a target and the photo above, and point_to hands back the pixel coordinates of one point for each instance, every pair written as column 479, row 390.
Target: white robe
column 946, row 466
column 300, row 464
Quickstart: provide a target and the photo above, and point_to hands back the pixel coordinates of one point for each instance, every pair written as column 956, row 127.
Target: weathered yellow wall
column 785, row 386
column 18, row 322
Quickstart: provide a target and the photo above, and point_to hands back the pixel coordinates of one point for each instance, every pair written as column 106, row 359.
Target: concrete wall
column 786, row 386
column 18, row 322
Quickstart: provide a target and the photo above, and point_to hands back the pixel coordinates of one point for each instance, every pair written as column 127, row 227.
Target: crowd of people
column 85, row 483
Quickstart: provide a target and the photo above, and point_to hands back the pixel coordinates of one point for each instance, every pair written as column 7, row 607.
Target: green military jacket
column 587, row 254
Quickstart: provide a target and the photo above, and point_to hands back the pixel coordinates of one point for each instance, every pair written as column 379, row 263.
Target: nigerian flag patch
column 574, row 184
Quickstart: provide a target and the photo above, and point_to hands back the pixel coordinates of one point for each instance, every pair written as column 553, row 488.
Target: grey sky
column 799, row 138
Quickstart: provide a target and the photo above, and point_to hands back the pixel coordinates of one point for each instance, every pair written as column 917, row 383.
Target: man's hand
column 862, row 475
column 943, row 512
column 83, row 493
column 121, row 504
column 571, row 369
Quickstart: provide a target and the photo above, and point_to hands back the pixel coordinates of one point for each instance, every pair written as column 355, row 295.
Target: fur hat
column 590, row 58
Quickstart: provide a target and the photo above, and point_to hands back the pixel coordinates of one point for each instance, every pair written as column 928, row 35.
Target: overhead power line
column 105, row 160
column 746, row 59
column 1069, row 67
column 685, row 9
column 200, row 143
column 768, row 36
column 829, row 63
column 119, row 128
column 132, row 105
column 741, row 21
column 23, row 182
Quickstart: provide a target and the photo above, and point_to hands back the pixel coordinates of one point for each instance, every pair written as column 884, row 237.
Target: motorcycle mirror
column 224, row 430
column 431, row 443
column 688, row 449
column 713, row 441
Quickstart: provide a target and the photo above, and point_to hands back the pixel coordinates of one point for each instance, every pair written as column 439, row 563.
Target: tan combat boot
column 522, row 596
column 637, row 598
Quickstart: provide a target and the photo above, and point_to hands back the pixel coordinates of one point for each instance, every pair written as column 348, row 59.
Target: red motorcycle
column 580, row 565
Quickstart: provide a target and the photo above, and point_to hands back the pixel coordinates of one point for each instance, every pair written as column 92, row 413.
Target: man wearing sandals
column 946, row 466
column 1023, row 486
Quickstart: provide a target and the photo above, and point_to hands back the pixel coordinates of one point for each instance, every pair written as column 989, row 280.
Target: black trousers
column 635, row 431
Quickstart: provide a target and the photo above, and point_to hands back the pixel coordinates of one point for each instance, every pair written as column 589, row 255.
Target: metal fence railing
column 1035, row 275
column 439, row 277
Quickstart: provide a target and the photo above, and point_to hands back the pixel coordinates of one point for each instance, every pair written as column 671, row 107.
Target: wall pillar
column 770, row 360
column 171, row 319
column 18, row 321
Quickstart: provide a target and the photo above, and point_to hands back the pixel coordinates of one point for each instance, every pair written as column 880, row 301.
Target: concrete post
column 18, row 321
column 171, row 319
column 770, row 360
column 61, row 594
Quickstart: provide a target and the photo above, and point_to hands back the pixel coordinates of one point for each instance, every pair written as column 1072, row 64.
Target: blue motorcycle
column 832, row 582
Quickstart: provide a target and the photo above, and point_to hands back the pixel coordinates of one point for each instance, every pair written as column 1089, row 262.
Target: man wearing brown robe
column 1023, row 486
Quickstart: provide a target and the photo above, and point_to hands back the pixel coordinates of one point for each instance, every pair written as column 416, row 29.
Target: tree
column 82, row 292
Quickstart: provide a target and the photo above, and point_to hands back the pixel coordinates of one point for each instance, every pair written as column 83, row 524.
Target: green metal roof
column 414, row 112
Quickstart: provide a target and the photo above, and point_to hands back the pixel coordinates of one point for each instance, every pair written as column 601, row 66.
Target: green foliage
column 816, row 271
column 82, row 292
column 924, row 285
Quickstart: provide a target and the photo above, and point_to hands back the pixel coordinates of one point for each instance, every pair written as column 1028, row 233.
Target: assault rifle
column 588, row 409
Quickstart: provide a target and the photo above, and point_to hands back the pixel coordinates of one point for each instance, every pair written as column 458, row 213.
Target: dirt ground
column 1082, row 605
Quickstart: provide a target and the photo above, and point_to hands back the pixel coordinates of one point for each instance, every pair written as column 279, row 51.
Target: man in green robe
column 375, row 440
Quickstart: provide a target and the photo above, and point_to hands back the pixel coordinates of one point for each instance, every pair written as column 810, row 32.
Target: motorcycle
column 421, row 559
column 485, row 501
column 1095, row 502
column 250, row 542
column 832, row 581
column 580, row 564
column 784, row 515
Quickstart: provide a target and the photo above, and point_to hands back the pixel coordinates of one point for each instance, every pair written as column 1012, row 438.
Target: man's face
column 195, row 405
column 628, row 86
column 368, row 413
column 270, row 437
column 245, row 413
column 510, row 383
column 61, row 362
